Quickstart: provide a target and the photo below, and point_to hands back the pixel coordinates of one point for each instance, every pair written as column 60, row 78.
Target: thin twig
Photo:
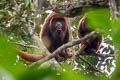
column 27, row 46
column 95, row 54
column 90, row 65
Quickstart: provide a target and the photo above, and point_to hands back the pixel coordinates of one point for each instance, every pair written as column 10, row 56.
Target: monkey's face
column 58, row 28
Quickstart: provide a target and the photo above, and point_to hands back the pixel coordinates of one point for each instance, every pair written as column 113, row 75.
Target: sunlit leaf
column 116, row 32
column 99, row 19
column 4, row 75
column 27, row 2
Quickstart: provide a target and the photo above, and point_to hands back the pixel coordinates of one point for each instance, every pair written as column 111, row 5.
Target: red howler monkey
column 92, row 45
column 53, row 34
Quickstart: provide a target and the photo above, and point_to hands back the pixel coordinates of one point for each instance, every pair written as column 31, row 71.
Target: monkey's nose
column 59, row 28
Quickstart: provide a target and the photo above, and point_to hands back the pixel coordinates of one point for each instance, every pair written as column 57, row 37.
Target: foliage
column 14, row 23
column 116, row 32
column 97, row 20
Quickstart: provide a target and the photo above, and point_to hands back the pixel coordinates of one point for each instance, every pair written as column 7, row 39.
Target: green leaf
column 116, row 32
column 99, row 19
column 116, row 74
column 27, row 3
column 39, row 74
column 2, row 5
column 4, row 75
column 8, row 58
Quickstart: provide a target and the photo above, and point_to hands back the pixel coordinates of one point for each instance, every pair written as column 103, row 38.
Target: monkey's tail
column 29, row 57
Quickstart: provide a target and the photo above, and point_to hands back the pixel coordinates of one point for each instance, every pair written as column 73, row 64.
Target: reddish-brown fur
column 29, row 57
column 53, row 38
column 94, row 43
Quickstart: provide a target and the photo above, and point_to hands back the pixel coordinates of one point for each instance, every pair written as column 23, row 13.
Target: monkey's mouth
column 58, row 31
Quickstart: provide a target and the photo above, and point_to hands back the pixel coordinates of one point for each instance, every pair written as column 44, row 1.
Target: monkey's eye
column 58, row 24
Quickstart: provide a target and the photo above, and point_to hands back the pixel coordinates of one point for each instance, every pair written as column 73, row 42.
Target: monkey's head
column 58, row 27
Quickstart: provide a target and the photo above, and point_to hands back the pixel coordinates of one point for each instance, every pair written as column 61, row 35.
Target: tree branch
column 95, row 69
column 27, row 46
column 75, row 8
column 69, row 44
column 96, row 54
column 113, row 8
